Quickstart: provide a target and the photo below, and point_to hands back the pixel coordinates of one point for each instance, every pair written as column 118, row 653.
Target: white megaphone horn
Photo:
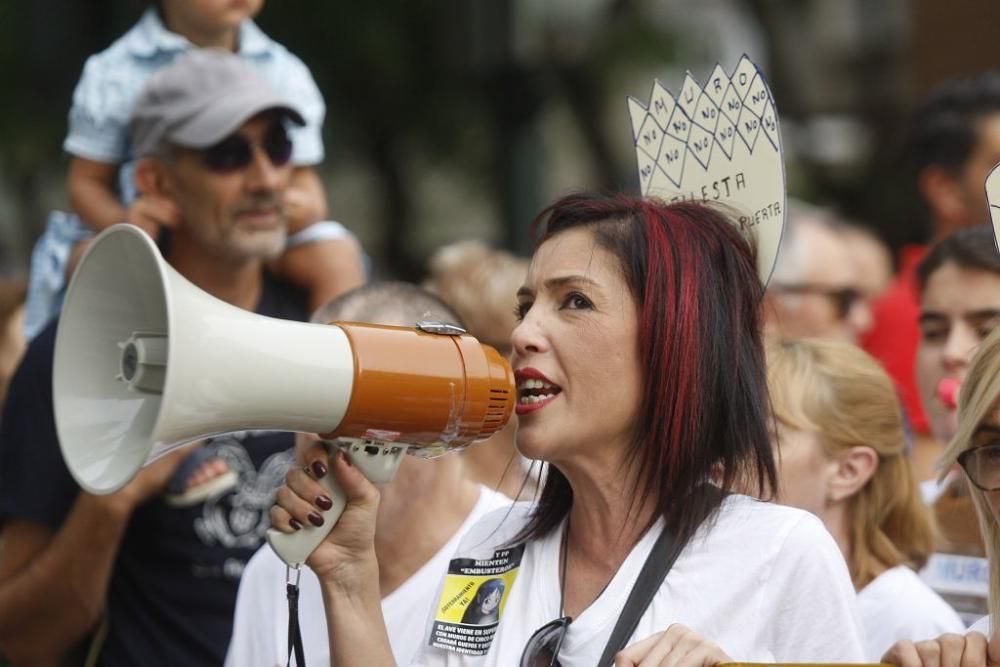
column 145, row 361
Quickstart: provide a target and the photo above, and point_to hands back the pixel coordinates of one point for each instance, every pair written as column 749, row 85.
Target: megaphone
column 145, row 361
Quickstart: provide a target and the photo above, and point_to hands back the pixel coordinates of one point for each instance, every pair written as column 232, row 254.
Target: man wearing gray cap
column 132, row 578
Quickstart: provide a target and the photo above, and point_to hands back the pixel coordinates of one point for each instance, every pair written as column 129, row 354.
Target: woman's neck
column 837, row 520
column 605, row 523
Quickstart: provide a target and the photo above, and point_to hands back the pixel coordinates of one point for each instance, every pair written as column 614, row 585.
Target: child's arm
column 325, row 268
column 305, row 199
column 92, row 196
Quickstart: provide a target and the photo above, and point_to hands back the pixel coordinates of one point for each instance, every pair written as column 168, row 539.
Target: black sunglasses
column 235, row 152
column 982, row 466
column 542, row 649
column 844, row 298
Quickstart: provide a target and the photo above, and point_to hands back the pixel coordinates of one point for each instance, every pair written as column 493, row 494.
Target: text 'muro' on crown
column 743, row 76
column 698, row 119
column 717, row 85
column 690, row 92
column 661, row 104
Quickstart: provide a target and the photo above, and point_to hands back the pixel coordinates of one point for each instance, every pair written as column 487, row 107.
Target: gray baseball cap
column 199, row 99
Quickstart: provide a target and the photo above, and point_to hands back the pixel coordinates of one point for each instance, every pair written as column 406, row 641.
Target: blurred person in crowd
column 952, row 141
column 424, row 512
column 959, row 287
column 975, row 448
column 140, row 576
column 841, row 452
column 320, row 256
column 959, row 284
column 641, row 383
column 12, row 340
column 872, row 260
column 814, row 290
column 480, row 283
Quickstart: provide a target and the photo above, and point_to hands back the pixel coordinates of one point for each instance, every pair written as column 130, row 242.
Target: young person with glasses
column 842, row 456
column 131, row 578
column 641, row 383
column 976, row 449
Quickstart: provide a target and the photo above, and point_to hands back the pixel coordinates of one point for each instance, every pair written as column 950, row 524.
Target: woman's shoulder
column 745, row 514
column 899, row 591
column 769, row 531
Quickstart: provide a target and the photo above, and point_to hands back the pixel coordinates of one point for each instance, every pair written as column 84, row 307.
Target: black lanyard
column 294, row 632
column 651, row 577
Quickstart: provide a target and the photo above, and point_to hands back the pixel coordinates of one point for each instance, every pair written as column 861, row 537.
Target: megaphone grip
column 294, row 548
column 378, row 461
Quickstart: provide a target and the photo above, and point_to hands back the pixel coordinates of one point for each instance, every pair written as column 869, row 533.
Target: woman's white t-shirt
column 260, row 626
column 899, row 605
column 767, row 583
column 982, row 626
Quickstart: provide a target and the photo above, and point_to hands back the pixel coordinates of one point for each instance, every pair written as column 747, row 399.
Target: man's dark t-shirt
column 173, row 590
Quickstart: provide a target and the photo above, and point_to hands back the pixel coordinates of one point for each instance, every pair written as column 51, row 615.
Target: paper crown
column 717, row 143
column 993, row 201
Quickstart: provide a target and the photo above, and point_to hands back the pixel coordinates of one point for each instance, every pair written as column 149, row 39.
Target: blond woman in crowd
column 842, row 456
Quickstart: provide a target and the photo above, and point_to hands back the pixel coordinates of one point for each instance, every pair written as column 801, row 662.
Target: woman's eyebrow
column 562, row 281
column 559, row 281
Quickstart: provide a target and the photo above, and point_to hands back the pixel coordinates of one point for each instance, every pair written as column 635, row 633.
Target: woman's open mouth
column 534, row 391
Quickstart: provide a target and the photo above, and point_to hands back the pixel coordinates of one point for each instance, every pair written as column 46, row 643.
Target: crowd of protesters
column 775, row 469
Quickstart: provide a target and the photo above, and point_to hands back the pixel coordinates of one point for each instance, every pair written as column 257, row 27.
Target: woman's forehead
column 572, row 252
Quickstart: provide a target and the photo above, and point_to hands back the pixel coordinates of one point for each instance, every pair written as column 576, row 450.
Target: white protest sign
column 717, row 143
column 993, row 199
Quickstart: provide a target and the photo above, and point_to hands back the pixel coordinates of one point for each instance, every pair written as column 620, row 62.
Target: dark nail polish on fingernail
column 323, row 503
column 315, row 519
column 318, row 469
column 347, row 459
column 294, row 523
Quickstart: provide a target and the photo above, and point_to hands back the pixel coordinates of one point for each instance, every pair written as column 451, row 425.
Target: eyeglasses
column 236, row 151
column 982, row 466
column 843, row 298
column 542, row 649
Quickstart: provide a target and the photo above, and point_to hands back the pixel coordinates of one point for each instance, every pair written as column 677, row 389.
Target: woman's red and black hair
column 702, row 425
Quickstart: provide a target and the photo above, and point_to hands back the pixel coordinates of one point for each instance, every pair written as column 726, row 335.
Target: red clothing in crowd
column 895, row 334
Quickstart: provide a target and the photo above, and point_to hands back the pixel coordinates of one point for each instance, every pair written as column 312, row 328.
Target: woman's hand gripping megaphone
column 327, row 491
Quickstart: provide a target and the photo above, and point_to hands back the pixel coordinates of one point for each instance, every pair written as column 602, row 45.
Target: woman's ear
column 856, row 466
column 150, row 177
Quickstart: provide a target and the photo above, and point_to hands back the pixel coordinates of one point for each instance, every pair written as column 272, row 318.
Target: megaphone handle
column 294, row 548
column 377, row 460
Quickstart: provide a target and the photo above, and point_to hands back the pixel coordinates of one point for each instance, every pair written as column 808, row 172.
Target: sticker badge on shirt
column 472, row 601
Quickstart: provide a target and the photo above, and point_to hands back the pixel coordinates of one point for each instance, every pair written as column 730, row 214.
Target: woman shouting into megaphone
column 641, row 384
